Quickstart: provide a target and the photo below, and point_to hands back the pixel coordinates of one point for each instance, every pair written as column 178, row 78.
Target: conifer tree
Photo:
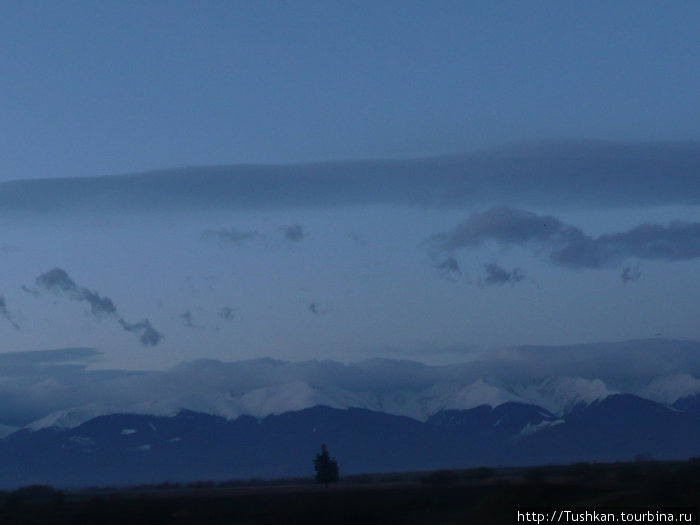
column 326, row 467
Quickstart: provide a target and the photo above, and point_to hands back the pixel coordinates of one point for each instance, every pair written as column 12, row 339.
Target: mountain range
column 267, row 418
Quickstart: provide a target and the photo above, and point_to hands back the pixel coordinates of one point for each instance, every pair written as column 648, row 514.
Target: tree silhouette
column 326, row 467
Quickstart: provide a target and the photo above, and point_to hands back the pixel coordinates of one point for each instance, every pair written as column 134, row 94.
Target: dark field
column 442, row 497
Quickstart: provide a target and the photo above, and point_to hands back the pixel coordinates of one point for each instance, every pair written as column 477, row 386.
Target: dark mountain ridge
column 125, row 449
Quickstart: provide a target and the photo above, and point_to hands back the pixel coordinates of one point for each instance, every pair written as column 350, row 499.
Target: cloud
column 567, row 245
column 30, row 291
column 227, row 313
column 55, row 356
column 574, row 172
column 630, row 274
column 503, row 225
column 232, row 235
column 5, row 314
column 57, row 280
column 497, row 275
column 316, row 309
column 186, row 319
column 35, row 384
column 449, row 268
column 293, row 233
column 148, row 335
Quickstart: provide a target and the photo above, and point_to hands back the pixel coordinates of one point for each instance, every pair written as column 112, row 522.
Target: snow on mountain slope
column 299, row 395
column 72, row 417
column 456, row 396
column 561, row 394
column 6, row 430
column 265, row 387
column 669, row 389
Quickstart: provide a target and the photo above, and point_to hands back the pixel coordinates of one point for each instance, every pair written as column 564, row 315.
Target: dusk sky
column 96, row 88
column 567, row 212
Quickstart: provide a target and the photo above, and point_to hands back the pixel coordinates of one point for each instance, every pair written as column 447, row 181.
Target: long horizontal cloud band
column 567, row 245
column 607, row 174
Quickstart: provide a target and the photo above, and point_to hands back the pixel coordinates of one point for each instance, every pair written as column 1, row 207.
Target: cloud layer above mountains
column 52, row 381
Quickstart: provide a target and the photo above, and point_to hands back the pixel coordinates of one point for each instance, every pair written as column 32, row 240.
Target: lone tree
column 326, row 467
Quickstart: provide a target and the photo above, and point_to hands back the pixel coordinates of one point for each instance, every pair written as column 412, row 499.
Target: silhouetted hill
column 123, row 449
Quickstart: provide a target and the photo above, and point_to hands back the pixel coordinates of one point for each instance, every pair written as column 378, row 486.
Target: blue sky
column 111, row 87
column 345, row 261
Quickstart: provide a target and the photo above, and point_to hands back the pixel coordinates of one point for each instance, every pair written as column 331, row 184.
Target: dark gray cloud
column 316, row 309
column 449, row 268
column 502, row 225
column 567, row 245
column 58, row 355
column 575, row 172
column 227, row 313
column 293, row 233
column 30, row 291
column 496, row 275
column 5, row 313
column 232, row 235
column 148, row 335
column 630, row 274
column 58, row 281
column 187, row 320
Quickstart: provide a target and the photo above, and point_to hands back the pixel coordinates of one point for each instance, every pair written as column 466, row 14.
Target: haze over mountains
column 214, row 420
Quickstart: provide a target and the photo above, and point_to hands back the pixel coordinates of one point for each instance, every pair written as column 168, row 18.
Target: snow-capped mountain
column 558, row 380
column 669, row 389
column 409, row 389
column 208, row 419
column 130, row 448
column 556, row 395
column 561, row 395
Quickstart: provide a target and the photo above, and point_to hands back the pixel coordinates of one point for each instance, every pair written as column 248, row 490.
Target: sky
column 94, row 88
column 566, row 212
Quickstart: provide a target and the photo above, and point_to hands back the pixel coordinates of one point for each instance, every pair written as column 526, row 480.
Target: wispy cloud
column 231, row 235
column 497, row 275
column 316, row 309
column 567, row 245
column 630, row 274
column 294, row 233
column 31, row 291
column 448, row 268
column 148, row 335
column 227, row 313
column 58, row 281
column 187, row 319
column 5, row 313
